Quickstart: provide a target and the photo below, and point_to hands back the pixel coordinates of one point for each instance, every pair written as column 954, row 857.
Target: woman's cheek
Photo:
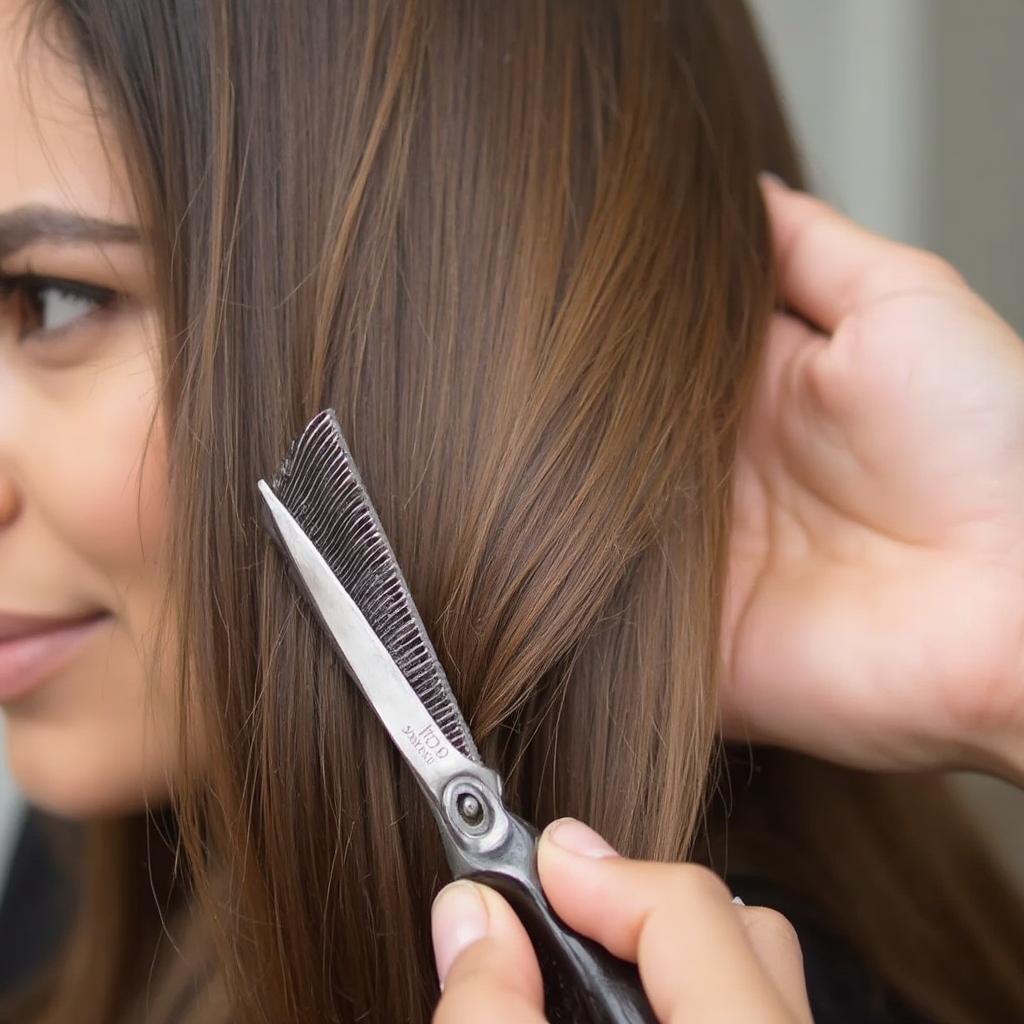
column 116, row 472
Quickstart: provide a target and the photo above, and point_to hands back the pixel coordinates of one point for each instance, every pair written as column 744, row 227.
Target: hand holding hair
column 701, row 957
column 875, row 605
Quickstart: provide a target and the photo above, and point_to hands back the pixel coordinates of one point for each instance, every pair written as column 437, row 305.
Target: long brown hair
column 520, row 248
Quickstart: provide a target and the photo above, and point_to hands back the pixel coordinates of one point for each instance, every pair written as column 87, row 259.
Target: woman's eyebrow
column 24, row 225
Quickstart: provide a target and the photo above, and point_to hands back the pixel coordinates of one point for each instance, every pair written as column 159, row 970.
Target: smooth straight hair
column 520, row 248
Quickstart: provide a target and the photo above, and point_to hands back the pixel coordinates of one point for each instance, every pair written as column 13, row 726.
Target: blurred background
column 910, row 116
column 909, row 113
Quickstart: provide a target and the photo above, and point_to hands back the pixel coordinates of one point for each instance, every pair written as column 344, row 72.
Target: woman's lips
column 27, row 658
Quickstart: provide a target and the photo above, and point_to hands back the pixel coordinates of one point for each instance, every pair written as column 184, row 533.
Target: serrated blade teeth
column 319, row 485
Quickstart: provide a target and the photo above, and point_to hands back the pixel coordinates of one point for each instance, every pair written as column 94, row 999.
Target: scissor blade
column 412, row 728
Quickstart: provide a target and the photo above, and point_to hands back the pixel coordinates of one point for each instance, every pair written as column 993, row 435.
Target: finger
column 675, row 921
column 485, row 963
column 777, row 946
column 828, row 265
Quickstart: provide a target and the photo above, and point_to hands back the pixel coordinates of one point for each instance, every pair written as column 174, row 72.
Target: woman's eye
column 43, row 305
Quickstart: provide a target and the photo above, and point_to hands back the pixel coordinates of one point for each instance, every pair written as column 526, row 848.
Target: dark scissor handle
column 583, row 982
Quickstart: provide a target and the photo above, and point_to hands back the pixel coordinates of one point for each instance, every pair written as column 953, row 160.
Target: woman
column 521, row 250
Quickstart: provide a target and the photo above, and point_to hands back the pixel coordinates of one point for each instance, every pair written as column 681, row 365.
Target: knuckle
column 472, row 969
column 458, row 1004
column 482, row 970
column 931, row 266
column 699, row 880
column 772, row 926
column 463, row 1003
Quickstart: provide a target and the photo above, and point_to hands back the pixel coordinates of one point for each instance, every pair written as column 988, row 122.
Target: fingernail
column 458, row 918
column 736, row 899
column 576, row 837
column 774, row 178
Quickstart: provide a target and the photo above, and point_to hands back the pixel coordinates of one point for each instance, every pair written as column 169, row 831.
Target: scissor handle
column 583, row 982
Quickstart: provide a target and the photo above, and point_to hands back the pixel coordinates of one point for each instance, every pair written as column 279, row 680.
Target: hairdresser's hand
column 701, row 957
column 875, row 608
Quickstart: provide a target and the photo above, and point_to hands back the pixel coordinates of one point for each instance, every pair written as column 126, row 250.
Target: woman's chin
column 80, row 778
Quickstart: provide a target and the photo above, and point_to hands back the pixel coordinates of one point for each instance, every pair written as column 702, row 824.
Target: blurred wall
column 853, row 74
column 10, row 811
column 910, row 115
column 974, row 205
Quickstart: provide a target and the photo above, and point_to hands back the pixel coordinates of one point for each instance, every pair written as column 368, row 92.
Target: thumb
column 485, row 962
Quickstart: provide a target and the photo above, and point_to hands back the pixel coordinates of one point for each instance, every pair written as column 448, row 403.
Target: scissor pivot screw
column 470, row 809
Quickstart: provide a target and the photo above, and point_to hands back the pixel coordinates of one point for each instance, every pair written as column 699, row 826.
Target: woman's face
column 82, row 494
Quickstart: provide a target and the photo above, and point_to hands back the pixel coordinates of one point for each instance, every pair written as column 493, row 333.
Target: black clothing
column 37, row 903
column 841, row 988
